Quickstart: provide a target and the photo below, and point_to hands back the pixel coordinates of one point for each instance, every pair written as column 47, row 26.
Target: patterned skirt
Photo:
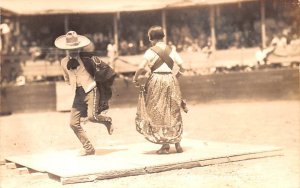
column 158, row 113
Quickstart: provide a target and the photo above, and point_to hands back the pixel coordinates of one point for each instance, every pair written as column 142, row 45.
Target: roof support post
column 164, row 23
column 66, row 23
column 212, row 27
column 263, row 23
column 66, row 27
column 116, row 30
column 17, row 32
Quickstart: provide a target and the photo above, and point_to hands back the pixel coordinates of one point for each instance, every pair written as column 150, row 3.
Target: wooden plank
column 214, row 161
column 79, row 179
column 11, row 165
column 2, row 161
column 22, row 171
column 255, row 155
column 123, row 173
column 102, row 176
column 162, row 168
column 33, row 162
column 38, row 176
column 139, row 159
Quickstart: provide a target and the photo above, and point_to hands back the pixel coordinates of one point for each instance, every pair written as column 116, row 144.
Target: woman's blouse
column 152, row 57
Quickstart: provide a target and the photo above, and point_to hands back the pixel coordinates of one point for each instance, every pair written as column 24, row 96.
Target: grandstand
column 123, row 21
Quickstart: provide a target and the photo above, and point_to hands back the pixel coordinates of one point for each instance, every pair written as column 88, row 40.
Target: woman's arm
column 180, row 71
column 178, row 60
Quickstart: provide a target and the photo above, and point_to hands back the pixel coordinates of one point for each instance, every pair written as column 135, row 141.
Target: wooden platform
column 137, row 159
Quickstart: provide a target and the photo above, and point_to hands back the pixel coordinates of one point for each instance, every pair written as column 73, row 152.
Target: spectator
column 5, row 36
column 112, row 54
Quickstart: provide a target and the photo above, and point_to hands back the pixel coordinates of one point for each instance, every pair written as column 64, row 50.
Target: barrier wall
column 270, row 85
column 264, row 84
column 28, row 98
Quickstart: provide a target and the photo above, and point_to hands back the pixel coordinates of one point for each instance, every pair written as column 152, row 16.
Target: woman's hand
column 135, row 82
column 180, row 72
column 137, row 75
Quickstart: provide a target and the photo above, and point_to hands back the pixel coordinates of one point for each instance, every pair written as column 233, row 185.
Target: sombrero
column 71, row 41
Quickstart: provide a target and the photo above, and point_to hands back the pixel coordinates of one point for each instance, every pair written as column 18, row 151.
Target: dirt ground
column 274, row 123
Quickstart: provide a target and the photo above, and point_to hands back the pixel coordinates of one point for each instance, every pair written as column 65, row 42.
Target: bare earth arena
column 262, row 123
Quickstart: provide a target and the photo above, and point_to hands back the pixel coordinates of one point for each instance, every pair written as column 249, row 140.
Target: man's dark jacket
column 103, row 74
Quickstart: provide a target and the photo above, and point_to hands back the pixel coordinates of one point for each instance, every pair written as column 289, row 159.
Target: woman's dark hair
column 156, row 33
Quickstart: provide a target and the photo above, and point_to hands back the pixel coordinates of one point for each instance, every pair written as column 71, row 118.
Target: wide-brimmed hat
column 71, row 41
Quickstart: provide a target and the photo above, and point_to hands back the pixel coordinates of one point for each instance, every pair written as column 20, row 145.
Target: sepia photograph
column 150, row 93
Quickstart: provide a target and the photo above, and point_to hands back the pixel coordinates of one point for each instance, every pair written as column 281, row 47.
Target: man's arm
column 66, row 76
column 65, row 73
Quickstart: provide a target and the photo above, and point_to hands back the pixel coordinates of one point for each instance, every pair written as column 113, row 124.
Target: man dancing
column 78, row 70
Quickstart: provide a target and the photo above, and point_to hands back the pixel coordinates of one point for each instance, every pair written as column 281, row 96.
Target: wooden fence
column 278, row 84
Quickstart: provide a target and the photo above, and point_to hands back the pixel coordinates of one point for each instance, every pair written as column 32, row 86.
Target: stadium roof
column 46, row 7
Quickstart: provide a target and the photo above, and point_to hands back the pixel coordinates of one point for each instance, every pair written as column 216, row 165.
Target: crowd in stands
column 188, row 30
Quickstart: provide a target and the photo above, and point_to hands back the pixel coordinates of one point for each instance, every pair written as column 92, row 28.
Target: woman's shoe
column 184, row 106
column 178, row 147
column 164, row 149
column 87, row 152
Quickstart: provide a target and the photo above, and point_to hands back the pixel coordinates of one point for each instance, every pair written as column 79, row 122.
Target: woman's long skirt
column 158, row 115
